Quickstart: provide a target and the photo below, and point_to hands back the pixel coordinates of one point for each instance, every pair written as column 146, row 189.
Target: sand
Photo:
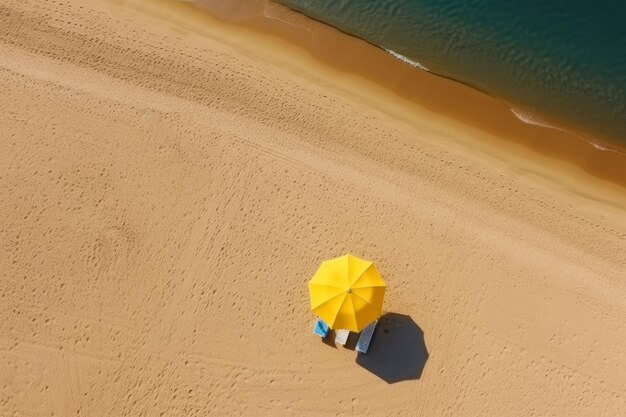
column 169, row 183
column 508, row 125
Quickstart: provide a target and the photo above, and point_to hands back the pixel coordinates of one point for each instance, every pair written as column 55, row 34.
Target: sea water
column 562, row 59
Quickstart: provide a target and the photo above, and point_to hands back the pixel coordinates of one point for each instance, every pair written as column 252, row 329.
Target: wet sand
column 169, row 183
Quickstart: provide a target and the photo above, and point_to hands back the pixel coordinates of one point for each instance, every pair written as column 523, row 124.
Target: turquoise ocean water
column 564, row 60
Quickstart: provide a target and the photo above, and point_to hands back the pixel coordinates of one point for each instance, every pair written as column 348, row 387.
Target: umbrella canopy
column 347, row 293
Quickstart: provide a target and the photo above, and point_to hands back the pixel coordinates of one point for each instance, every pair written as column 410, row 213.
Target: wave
column 406, row 60
column 287, row 16
column 532, row 119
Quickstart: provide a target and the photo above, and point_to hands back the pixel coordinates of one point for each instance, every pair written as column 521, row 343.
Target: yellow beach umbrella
column 347, row 293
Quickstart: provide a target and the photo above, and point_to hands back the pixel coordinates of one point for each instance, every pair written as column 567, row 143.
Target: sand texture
column 168, row 185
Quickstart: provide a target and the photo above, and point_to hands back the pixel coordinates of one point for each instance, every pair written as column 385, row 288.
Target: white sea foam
column 532, row 119
column 407, row 60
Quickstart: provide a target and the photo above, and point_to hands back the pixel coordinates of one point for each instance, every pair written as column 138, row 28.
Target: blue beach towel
column 321, row 328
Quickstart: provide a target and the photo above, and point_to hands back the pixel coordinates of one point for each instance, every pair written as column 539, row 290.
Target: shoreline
column 600, row 157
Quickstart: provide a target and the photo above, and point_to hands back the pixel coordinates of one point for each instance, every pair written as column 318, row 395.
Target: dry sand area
column 168, row 185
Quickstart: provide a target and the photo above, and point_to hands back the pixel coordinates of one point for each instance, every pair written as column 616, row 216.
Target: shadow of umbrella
column 397, row 351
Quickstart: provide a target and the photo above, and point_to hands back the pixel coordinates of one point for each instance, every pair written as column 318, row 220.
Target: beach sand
column 170, row 182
